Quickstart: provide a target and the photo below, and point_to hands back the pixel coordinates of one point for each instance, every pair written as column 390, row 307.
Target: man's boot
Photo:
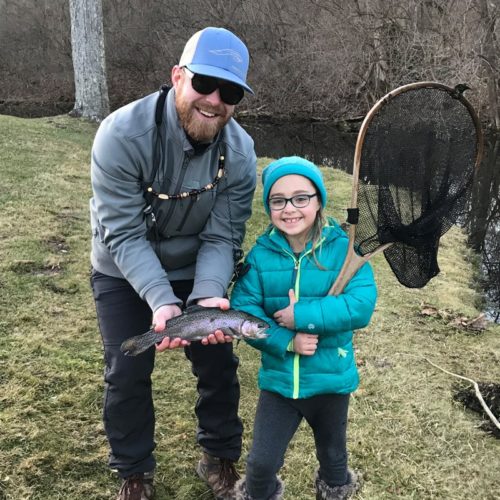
column 220, row 475
column 137, row 487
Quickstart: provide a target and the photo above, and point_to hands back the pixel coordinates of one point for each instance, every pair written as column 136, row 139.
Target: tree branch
column 476, row 389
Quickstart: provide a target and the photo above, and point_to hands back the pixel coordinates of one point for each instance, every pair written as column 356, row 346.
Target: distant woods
column 322, row 59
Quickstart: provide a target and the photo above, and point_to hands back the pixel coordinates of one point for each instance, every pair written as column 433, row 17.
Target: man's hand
column 284, row 317
column 160, row 317
column 305, row 343
column 218, row 336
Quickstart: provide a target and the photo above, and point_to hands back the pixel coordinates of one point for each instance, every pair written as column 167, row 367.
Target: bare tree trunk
column 490, row 57
column 374, row 82
column 87, row 42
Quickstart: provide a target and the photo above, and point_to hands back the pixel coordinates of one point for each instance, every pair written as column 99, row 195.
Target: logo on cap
column 228, row 52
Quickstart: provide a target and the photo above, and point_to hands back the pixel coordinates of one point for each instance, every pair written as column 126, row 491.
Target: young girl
column 308, row 367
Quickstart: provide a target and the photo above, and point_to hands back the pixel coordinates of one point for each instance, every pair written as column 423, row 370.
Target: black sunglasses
column 229, row 92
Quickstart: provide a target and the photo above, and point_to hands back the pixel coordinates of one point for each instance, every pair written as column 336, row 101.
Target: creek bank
column 39, row 108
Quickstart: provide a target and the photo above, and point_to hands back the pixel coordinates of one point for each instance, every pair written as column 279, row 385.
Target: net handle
column 353, row 261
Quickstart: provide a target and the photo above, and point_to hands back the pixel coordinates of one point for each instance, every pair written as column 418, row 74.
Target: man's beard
column 198, row 129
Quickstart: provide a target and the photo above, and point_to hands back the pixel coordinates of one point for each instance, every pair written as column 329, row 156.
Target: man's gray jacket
column 197, row 234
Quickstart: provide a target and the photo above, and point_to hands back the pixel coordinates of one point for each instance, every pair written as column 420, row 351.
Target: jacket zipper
column 186, row 214
column 296, row 289
column 185, row 163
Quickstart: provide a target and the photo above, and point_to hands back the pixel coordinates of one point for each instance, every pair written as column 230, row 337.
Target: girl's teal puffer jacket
column 263, row 290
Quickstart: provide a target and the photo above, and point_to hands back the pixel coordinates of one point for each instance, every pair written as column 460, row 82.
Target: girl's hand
column 285, row 317
column 305, row 344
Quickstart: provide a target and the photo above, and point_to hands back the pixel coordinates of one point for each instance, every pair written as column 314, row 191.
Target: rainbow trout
column 197, row 322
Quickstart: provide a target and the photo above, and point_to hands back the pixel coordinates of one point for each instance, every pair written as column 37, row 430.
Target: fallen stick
column 476, row 389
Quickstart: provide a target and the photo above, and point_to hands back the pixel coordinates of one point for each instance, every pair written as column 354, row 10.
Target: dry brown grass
column 406, row 433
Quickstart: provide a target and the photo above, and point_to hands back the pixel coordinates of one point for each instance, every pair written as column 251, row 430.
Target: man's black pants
column 128, row 414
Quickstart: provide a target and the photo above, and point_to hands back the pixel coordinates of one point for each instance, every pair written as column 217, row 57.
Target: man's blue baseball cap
column 219, row 53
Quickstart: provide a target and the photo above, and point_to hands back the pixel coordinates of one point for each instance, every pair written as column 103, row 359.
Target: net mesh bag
column 416, row 168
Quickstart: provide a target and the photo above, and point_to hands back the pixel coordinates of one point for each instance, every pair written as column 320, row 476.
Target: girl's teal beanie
column 292, row 165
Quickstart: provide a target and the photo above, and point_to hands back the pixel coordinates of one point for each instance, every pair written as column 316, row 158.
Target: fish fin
column 227, row 331
column 193, row 308
column 230, row 332
column 236, row 333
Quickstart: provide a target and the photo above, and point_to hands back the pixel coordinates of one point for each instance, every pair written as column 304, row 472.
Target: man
column 172, row 186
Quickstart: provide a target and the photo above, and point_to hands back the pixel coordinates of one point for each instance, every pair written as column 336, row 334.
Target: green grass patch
column 406, row 433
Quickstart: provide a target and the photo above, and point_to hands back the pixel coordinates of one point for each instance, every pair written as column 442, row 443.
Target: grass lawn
column 406, row 433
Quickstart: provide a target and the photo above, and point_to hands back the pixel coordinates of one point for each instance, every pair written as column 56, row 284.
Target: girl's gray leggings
column 276, row 421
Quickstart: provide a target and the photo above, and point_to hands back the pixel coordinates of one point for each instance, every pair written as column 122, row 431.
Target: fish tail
column 140, row 343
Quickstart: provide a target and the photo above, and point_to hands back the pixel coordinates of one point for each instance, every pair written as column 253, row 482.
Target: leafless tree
column 490, row 13
column 324, row 59
column 87, row 42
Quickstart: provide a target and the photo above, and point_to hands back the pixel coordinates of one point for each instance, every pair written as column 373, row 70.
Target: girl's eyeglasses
column 298, row 201
column 229, row 92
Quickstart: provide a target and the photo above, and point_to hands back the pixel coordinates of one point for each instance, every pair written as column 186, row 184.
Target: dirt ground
column 491, row 395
